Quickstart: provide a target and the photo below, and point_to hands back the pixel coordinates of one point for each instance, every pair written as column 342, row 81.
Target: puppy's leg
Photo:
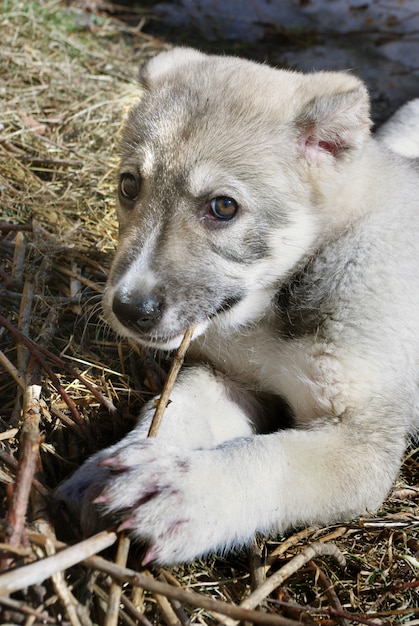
column 184, row 503
column 201, row 414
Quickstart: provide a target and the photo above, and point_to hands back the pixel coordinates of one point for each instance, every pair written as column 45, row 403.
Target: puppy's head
column 226, row 169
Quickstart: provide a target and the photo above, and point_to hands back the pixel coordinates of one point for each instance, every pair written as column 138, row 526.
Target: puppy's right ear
column 161, row 66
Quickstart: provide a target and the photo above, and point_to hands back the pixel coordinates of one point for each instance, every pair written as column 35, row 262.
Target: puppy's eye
column 129, row 186
column 223, row 207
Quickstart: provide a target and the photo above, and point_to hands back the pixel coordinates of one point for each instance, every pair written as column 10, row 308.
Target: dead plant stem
column 276, row 579
column 37, row 572
column 170, row 380
column 112, row 613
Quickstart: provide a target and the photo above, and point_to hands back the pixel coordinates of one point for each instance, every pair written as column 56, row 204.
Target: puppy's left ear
column 166, row 63
column 334, row 126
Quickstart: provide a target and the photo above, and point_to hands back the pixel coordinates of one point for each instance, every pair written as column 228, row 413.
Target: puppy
column 255, row 206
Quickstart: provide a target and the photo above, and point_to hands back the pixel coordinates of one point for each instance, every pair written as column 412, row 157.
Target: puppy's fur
column 255, row 205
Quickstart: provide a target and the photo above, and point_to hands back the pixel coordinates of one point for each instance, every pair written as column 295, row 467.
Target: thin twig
column 185, row 596
column 67, row 599
column 330, row 612
column 11, row 462
column 8, row 434
column 27, row 466
column 287, row 544
column 404, row 493
column 65, row 419
column 35, row 351
column 379, row 524
column 27, row 610
column 115, row 591
column 5, row 227
column 336, row 533
column 331, row 594
column 165, row 606
column 130, row 606
column 102, row 594
column 311, row 551
column 168, row 611
column 13, row 371
column 19, row 255
column 176, row 612
column 29, row 453
column 68, row 368
column 82, row 279
column 36, row 573
column 85, row 552
column 25, row 311
column 76, row 612
column 170, row 380
column 257, row 571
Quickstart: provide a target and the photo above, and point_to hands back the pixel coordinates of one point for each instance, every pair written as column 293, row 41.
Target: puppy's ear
column 335, row 125
column 166, row 63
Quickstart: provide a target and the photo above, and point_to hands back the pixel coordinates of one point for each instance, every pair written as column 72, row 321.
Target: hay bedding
column 67, row 76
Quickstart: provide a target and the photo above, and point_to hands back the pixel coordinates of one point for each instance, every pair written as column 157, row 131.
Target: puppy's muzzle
column 137, row 311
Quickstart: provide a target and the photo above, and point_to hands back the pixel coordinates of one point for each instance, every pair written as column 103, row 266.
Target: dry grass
column 67, row 77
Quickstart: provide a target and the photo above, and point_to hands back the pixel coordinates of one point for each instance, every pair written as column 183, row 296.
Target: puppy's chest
column 306, row 372
column 271, row 352
column 258, row 357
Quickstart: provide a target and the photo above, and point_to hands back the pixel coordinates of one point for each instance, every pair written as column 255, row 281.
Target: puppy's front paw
column 155, row 492
column 180, row 503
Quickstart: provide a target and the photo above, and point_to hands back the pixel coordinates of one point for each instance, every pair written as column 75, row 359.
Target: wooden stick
column 37, row 351
column 301, row 559
column 19, row 257
column 257, row 570
column 112, row 612
column 334, row 613
column 177, row 613
column 5, row 227
column 185, row 596
column 140, row 617
column 165, row 606
column 36, row 573
column 27, row 465
column 13, row 371
column 27, row 610
column 25, row 313
column 167, row 610
column 287, row 544
column 331, row 594
column 76, row 612
column 170, row 380
column 11, row 462
column 68, row 601
column 85, row 281
column 68, row 368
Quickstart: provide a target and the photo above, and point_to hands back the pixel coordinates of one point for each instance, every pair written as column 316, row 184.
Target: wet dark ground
column 377, row 40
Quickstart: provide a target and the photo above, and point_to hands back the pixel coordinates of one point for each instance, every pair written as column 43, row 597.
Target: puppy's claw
column 102, row 498
column 149, row 557
column 127, row 524
column 114, row 464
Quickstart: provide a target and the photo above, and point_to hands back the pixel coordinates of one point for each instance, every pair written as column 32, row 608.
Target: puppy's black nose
column 137, row 311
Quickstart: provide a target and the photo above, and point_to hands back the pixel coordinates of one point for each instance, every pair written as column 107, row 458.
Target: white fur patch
column 401, row 132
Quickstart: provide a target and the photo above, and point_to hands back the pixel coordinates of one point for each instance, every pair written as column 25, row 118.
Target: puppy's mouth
column 155, row 335
column 169, row 342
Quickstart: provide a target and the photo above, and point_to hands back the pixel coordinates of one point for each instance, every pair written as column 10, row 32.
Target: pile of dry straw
column 67, row 386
